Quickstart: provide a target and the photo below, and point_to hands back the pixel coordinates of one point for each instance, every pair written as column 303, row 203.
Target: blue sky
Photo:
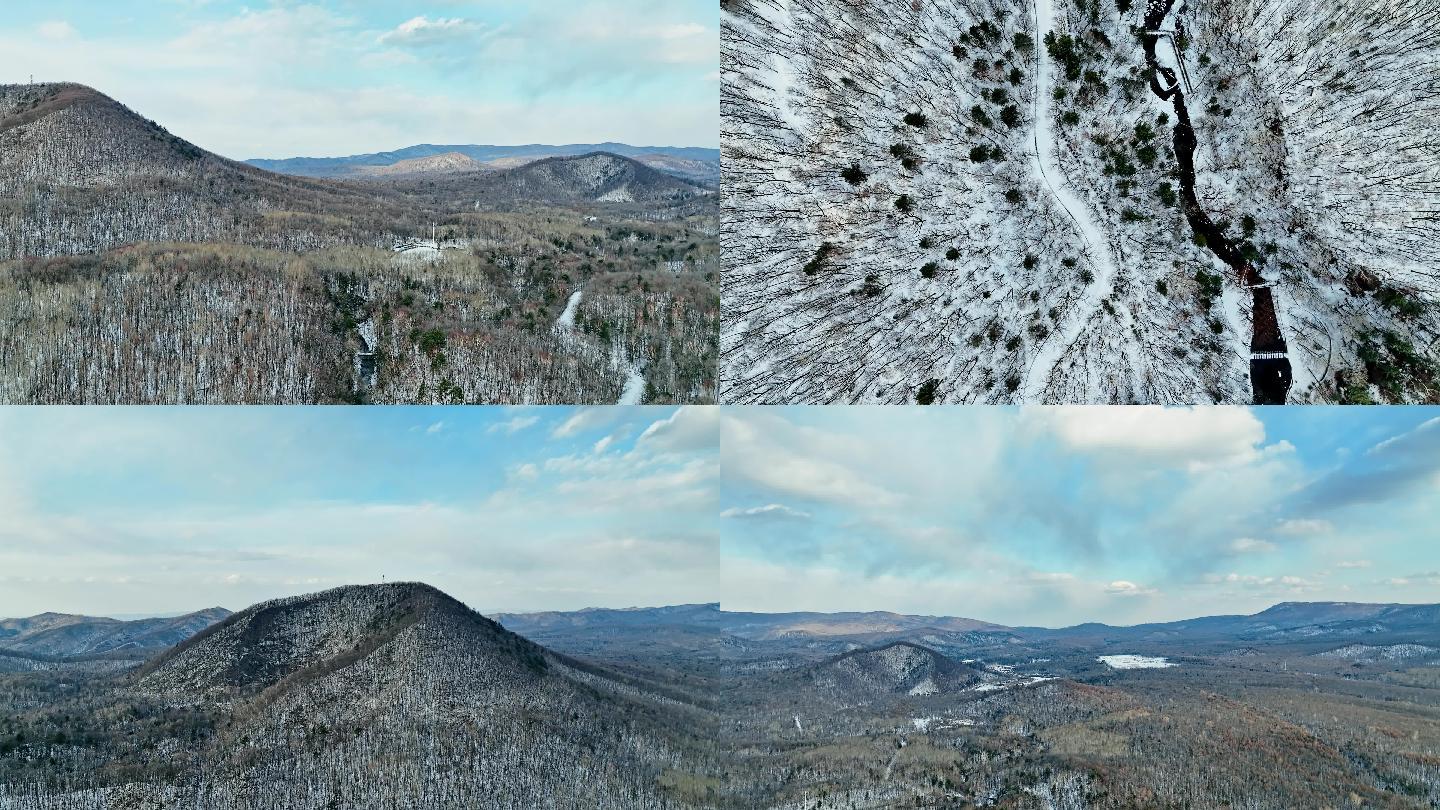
column 1061, row 515
column 337, row 77
column 155, row 510
column 1046, row 516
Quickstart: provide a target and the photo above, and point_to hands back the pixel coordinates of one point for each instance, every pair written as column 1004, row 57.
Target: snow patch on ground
column 367, row 334
column 924, row 724
column 1135, row 662
column 1028, row 680
column 423, row 251
column 634, row 390
column 567, row 318
column 925, row 687
column 619, row 195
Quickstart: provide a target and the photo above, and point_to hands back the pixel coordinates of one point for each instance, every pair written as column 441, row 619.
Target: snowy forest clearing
column 1135, row 662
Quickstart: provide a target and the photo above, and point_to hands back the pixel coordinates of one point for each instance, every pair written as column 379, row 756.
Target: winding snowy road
column 567, row 318
column 1050, row 353
column 633, row 391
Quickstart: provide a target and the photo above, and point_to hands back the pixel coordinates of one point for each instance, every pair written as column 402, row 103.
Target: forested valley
column 399, row 694
column 138, row 268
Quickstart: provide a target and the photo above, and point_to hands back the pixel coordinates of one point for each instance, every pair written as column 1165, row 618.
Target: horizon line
column 719, row 606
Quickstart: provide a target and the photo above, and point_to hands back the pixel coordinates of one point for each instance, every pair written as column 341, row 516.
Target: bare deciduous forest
column 337, row 698
column 982, row 201
column 142, row 269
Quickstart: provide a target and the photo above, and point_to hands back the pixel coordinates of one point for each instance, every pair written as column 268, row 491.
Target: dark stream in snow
column 1269, row 364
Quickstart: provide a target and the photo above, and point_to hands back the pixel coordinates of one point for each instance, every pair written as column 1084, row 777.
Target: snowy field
column 924, row 724
column 1134, row 662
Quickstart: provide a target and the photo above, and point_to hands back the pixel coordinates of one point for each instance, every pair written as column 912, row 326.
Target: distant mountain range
column 1287, row 621
column 691, row 163
column 829, row 633
column 83, row 173
column 596, row 177
column 748, row 625
column 67, row 635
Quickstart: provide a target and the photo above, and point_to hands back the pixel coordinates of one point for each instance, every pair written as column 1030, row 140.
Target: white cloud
column 581, row 420
column 57, row 29
column 514, row 424
column 682, row 487
column 1250, row 545
column 420, row 32
column 679, row 31
column 1303, row 527
column 280, row 35
column 435, row 427
column 1193, row 438
column 987, row 592
column 1123, row 587
column 1353, row 564
column 769, row 451
column 1399, row 441
column 1283, row 584
column 688, row 429
column 1426, row 578
column 772, row 510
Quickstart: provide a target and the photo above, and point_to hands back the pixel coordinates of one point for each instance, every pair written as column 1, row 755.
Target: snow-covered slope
column 597, row 177
column 82, row 173
column 432, row 164
column 895, row 669
column 386, row 694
